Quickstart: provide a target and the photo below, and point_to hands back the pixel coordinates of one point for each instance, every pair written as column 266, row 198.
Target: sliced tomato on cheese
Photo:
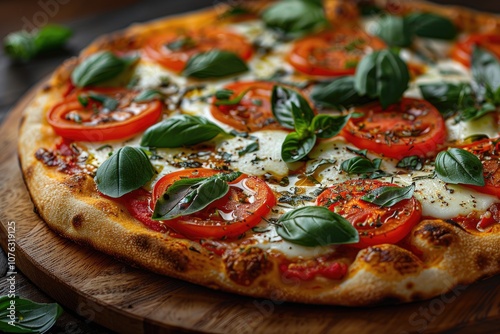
column 173, row 49
column 376, row 225
column 248, row 200
column 462, row 50
column 410, row 127
column 332, row 53
column 93, row 121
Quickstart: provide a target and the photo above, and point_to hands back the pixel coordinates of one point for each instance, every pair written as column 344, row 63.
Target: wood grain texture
column 129, row 300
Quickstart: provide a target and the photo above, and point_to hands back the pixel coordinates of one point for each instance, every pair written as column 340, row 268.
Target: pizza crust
column 448, row 256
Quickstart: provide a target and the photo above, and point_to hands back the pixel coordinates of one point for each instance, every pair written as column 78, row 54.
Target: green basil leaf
column 459, row 166
column 312, row 226
column 389, row 196
column 223, row 94
column 475, row 112
column 413, row 162
column 282, row 99
column 339, row 94
column 431, row 26
column 148, row 95
column 395, row 31
column 237, row 99
column 214, row 64
column 20, row 45
column 185, row 42
column 313, row 167
column 126, row 170
column 254, row 146
column 382, row 74
column 300, row 123
column 296, row 147
column 51, row 37
column 84, row 100
column 28, row 316
column 485, row 70
column 327, row 126
column 358, row 165
column 188, row 196
column 108, row 103
column 446, row 97
column 180, row 130
column 97, row 68
column 294, row 18
column 358, row 152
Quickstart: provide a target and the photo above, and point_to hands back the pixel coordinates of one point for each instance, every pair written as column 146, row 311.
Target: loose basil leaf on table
column 282, row 99
column 23, row 45
column 98, row 68
column 389, row 196
column 431, row 25
column 458, row 166
column 395, row 31
column 295, row 18
column 312, row 226
column 180, row 130
column 126, row 170
column 188, row 196
column 30, row 317
column 384, row 75
column 214, row 64
column 339, row 93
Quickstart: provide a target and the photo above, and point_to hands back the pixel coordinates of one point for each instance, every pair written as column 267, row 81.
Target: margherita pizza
column 332, row 152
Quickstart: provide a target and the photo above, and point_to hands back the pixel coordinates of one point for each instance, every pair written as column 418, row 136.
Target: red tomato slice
column 253, row 112
column 462, row 50
column 375, row 225
column 332, row 53
column 174, row 49
column 488, row 151
column 248, row 200
column 410, row 127
column 70, row 119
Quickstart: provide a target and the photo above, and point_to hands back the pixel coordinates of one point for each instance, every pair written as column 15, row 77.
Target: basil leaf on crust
column 126, row 170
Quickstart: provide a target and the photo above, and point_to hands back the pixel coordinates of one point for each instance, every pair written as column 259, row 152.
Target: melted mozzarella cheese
column 485, row 125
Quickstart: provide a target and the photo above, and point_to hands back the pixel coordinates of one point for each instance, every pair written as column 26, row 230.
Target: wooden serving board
column 129, row 300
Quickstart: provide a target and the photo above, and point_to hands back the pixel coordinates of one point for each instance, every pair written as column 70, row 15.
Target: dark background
column 88, row 19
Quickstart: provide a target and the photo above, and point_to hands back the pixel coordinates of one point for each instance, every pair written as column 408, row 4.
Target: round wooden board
column 129, row 300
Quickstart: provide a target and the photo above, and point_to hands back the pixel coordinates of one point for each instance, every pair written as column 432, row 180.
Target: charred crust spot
column 436, row 234
column 482, row 262
column 402, row 261
column 28, row 172
column 141, row 242
column 77, row 183
column 77, row 221
column 175, row 257
column 416, row 296
column 46, row 87
column 245, row 266
column 410, row 285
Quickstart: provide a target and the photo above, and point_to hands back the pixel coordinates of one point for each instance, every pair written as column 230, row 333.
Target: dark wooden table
column 16, row 79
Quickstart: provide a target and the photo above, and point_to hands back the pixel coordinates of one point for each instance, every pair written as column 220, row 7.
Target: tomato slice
column 253, row 112
column 410, row 127
column 488, row 151
column 332, row 53
column 93, row 122
column 462, row 50
column 376, row 225
column 174, row 49
column 248, row 200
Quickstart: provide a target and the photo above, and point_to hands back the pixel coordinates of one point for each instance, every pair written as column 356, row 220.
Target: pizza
column 335, row 152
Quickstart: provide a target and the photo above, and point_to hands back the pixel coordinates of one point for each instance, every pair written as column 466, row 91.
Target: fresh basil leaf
column 97, row 68
column 389, row 196
column 185, row 42
column 475, row 112
column 358, row 165
column 223, row 94
column 188, row 196
column 237, row 99
column 395, row 31
column 84, row 100
column 339, row 94
column 362, row 153
column 294, row 18
column 382, row 74
column 413, row 162
column 459, row 166
column 29, row 316
column 214, row 64
column 312, row 226
column 446, row 97
column 254, row 146
column 22, row 45
column 148, row 95
column 126, row 170
column 180, row 130
column 108, row 103
column 282, row 99
column 431, row 25
column 296, row 147
column 301, row 124
column 485, row 70
column 313, row 167
column 327, row 126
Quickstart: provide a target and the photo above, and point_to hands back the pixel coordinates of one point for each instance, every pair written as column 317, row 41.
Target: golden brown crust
column 447, row 254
